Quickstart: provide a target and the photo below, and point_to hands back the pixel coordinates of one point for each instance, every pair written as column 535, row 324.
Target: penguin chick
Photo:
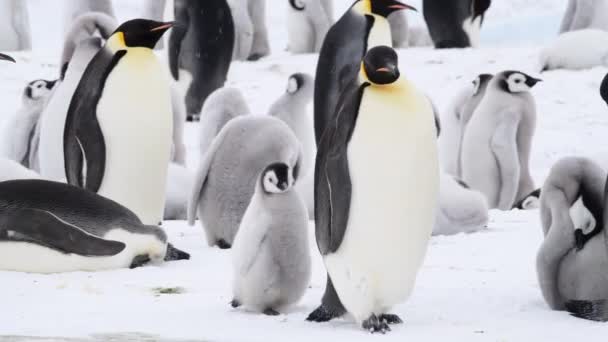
column 271, row 262
column 179, row 183
column 222, row 106
column 19, row 131
column 576, row 50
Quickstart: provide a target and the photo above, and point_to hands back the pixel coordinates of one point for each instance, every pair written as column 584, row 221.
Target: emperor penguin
column 251, row 33
column 455, row 121
column 75, row 8
column 455, row 23
column 15, row 31
column 225, row 180
column 271, row 254
column 200, row 49
column 79, row 49
column 48, row 227
column 307, row 24
column 19, row 131
column 101, row 154
column 584, row 14
column 363, row 26
column 292, row 108
column 576, row 50
column 461, row 209
column 155, row 10
column 374, row 270
column 498, row 141
column 222, row 106
column 572, row 259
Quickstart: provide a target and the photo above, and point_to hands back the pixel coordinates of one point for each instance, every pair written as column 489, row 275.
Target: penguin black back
column 446, row 19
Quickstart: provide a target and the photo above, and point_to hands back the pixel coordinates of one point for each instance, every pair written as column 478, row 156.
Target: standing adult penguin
column 48, row 227
column 19, row 132
column 498, row 141
column 101, row 154
column 271, row 253
column 454, row 122
column 584, row 14
column 307, row 24
column 455, row 23
column 292, row 109
column 81, row 45
column 15, row 31
column 362, row 27
column 572, row 259
column 374, row 270
column 200, row 49
column 226, row 177
column 75, row 8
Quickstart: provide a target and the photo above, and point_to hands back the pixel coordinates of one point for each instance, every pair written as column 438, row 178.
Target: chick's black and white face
column 518, row 82
column 38, row 89
column 277, row 178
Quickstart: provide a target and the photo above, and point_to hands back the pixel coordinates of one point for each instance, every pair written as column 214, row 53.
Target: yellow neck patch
column 364, row 7
column 117, row 42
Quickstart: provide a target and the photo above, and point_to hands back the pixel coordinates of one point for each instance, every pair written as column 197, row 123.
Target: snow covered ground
column 479, row 287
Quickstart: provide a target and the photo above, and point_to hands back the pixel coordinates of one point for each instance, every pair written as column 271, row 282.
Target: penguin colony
column 81, row 192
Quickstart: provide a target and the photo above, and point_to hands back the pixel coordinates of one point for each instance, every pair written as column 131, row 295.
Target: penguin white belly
column 394, row 170
column 472, row 28
column 135, row 117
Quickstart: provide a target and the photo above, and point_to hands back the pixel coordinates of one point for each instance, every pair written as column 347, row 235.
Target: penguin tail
column 174, row 254
column 590, row 310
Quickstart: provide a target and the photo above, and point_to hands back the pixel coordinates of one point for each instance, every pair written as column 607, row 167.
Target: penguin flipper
column 93, row 147
column 504, row 148
column 44, row 228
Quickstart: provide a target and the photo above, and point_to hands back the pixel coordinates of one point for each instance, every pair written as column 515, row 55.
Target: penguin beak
column 163, row 27
column 398, row 6
column 7, row 58
column 531, row 81
column 388, row 70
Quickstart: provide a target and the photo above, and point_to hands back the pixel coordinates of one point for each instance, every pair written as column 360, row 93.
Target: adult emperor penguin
column 200, row 49
column 362, row 27
column 584, row 14
column 75, row 8
column 572, row 259
column 48, row 227
column 307, row 24
column 79, row 48
column 222, row 106
column 454, row 122
column 225, row 180
column 101, row 154
column 455, row 23
column 271, row 253
column 576, row 50
column 498, row 140
column 15, row 31
column 19, row 130
column 374, row 270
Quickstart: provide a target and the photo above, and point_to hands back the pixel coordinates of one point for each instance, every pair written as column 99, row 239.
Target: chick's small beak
column 7, row 58
column 163, row 27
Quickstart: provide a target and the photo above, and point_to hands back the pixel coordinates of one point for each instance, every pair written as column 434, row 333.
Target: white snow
column 479, row 287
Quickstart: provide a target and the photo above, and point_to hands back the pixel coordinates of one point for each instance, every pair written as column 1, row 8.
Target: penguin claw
column 376, row 325
column 391, row 319
column 321, row 315
column 235, row 303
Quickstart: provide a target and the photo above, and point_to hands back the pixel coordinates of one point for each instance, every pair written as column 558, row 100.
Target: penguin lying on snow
column 374, row 270
column 271, row 257
column 226, row 177
column 48, row 227
column 498, row 141
column 222, row 106
column 573, row 257
column 576, row 50
column 100, row 152
column 455, row 23
column 19, row 132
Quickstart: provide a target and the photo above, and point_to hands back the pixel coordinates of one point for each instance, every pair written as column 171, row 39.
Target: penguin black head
column 382, row 8
column 295, row 83
column 4, row 57
column 481, row 82
column 277, row 178
column 141, row 32
column 604, row 89
column 38, row 89
column 381, row 65
column 516, row 81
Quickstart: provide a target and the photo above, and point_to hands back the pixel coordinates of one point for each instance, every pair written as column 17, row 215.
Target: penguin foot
column 235, row 303
column 391, row 319
column 271, row 312
column 174, row 254
column 222, row 244
column 376, row 325
column 193, row 118
column 321, row 314
column 254, row 57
